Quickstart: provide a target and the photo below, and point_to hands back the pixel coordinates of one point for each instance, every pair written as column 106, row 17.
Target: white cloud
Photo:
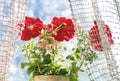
column 56, row 7
column 66, row 13
column 13, row 69
column 31, row 8
column 48, row 9
column 30, row 13
column 16, row 74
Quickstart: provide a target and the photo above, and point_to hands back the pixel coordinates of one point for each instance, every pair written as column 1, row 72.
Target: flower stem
column 39, row 69
column 81, row 63
column 28, row 56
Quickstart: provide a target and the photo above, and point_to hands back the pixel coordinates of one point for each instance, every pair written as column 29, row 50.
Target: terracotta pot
column 51, row 78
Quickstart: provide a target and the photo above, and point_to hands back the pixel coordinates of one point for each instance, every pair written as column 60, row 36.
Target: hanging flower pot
column 51, row 78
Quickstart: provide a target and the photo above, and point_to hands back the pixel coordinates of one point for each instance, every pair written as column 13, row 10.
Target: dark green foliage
column 52, row 62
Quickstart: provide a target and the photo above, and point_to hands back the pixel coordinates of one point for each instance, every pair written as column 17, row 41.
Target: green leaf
column 73, row 49
column 50, row 40
column 31, row 69
column 35, row 73
column 31, row 79
column 47, row 59
column 63, row 72
column 74, row 72
column 70, row 57
column 43, row 51
column 24, row 64
column 65, row 48
column 81, row 70
column 61, row 60
column 77, row 50
column 73, row 76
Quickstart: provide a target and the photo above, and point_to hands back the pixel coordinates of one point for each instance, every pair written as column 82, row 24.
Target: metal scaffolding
column 107, row 66
column 11, row 11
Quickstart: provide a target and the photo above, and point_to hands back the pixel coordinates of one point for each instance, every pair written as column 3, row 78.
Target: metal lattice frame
column 107, row 66
column 11, row 11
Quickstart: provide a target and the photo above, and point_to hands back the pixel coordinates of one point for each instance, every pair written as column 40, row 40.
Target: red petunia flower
column 109, row 34
column 32, row 28
column 63, row 28
column 49, row 28
column 95, row 39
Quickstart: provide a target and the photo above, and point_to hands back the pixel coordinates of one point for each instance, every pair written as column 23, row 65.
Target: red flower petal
column 95, row 39
column 31, row 29
column 49, row 28
column 67, row 32
column 111, row 41
column 25, row 35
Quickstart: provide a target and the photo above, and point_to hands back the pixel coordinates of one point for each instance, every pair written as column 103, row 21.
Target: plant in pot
column 45, row 52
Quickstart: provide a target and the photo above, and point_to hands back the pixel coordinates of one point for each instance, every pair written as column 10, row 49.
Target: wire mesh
column 107, row 66
column 11, row 11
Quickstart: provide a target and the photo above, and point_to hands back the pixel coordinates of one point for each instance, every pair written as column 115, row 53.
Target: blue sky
column 46, row 10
